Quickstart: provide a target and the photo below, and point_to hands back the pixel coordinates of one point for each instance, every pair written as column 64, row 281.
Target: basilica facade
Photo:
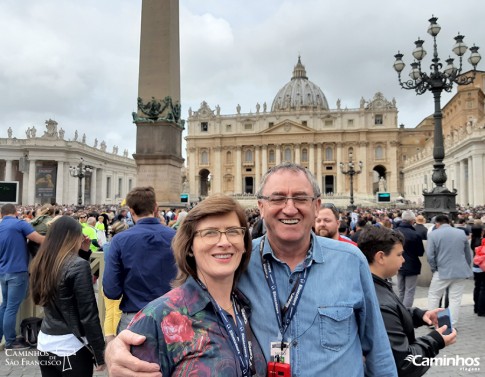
column 43, row 164
column 229, row 153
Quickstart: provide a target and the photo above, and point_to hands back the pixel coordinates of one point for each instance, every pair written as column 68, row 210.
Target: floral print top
column 186, row 337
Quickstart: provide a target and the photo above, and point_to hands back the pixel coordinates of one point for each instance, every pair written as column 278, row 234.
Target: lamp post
column 79, row 172
column 439, row 199
column 351, row 172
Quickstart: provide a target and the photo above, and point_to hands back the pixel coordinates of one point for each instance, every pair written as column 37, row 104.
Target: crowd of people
column 221, row 290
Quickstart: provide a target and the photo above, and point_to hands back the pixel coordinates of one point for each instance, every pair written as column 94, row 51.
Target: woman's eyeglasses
column 213, row 236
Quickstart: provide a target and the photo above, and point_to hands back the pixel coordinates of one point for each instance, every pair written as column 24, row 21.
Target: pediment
column 287, row 127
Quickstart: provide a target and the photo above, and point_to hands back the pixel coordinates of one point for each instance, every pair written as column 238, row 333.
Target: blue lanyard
column 241, row 342
column 283, row 315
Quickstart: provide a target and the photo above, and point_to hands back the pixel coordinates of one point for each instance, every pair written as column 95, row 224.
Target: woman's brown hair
column 60, row 243
column 214, row 205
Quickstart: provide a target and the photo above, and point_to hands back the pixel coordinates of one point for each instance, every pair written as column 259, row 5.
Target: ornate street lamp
column 439, row 199
column 351, row 172
column 79, row 172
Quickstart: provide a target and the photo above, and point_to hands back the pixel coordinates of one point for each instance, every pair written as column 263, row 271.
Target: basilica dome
column 299, row 93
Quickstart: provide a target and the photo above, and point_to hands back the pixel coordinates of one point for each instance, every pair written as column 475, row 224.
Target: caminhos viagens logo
column 470, row 364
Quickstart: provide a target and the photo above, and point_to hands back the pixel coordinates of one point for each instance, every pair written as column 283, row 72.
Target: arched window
column 329, row 154
column 271, row 156
column 304, row 155
column 379, row 152
column 287, row 154
column 248, row 156
column 204, row 158
column 229, row 157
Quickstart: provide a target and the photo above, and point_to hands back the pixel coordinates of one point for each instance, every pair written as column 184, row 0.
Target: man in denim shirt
column 337, row 328
column 337, row 320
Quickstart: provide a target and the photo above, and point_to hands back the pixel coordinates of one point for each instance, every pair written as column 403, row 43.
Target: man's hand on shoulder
column 121, row 363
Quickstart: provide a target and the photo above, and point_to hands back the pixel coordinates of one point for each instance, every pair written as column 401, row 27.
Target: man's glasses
column 82, row 217
column 281, row 201
column 213, row 236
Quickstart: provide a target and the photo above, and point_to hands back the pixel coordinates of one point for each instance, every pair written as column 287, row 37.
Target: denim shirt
column 337, row 322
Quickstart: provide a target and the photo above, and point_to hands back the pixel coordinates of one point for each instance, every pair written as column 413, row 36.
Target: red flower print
column 137, row 317
column 176, row 296
column 177, row 328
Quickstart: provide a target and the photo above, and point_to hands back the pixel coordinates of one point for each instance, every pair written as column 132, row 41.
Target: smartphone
column 276, row 369
column 444, row 318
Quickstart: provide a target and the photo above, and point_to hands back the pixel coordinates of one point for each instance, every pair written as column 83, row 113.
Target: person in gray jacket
column 449, row 257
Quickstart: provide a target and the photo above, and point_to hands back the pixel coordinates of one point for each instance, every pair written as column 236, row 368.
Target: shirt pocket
column 335, row 326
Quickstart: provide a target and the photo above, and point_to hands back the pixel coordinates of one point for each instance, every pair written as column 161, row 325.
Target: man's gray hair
column 290, row 166
column 408, row 216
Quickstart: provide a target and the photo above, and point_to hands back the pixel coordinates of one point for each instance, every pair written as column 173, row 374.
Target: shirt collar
column 313, row 253
column 148, row 220
column 197, row 298
column 384, row 282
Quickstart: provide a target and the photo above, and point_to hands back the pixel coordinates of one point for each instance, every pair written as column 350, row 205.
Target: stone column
column 278, row 154
column 463, row 185
column 363, row 187
column 257, row 170
column 392, row 180
column 60, row 183
column 217, row 181
column 238, row 175
column 102, row 174
column 478, row 174
column 297, row 149
column 94, row 179
column 340, row 177
column 264, row 159
column 193, row 188
column 8, row 170
column 319, row 166
column 31, row 189
column 471, row 179
column 311, row 157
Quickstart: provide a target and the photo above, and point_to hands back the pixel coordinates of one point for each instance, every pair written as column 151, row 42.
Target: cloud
column 77, row 62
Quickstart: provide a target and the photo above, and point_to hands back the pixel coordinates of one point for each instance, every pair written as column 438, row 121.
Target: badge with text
column 280, row 352
column 279, row 366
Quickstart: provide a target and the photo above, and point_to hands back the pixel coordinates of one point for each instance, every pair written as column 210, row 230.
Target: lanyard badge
column 241, row 340
column 280, row 350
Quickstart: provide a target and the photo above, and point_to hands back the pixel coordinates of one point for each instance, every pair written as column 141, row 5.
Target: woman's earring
column 190, row 254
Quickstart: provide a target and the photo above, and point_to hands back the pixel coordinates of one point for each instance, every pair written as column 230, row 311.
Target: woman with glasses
column 201, row 327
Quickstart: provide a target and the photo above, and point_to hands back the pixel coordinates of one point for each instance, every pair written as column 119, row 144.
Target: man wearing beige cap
column 421, row 228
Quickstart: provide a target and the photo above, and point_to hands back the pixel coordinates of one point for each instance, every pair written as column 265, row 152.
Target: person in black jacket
column 407, row 277
column 421, row 228
column 70, row 335
column 383, row 249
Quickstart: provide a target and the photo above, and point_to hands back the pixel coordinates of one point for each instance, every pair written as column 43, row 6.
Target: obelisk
column 158, row 119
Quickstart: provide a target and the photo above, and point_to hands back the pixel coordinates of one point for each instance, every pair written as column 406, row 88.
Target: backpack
column 29, row 329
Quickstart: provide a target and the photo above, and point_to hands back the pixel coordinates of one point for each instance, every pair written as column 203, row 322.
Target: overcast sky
column 77, row 62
